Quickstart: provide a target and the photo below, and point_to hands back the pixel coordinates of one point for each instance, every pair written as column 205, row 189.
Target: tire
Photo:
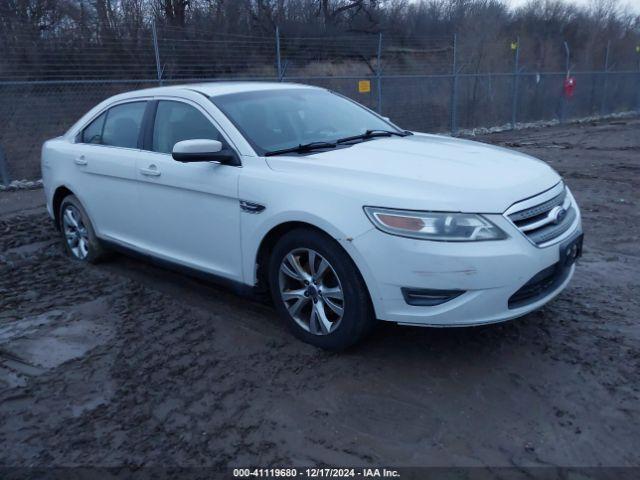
column 345, row 321
column 78, row 235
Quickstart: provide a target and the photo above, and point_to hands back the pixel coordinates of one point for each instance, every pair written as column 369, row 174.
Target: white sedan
column 341, row 215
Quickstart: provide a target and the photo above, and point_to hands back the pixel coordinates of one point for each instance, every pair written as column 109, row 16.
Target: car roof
column 213, row 89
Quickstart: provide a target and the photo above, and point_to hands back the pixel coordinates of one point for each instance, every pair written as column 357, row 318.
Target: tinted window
column 277, row 119
column 176, row 121
column 93, row 133
column 122, row 125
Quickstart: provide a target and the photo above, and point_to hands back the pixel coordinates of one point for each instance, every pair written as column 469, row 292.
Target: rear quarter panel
column 57, row 169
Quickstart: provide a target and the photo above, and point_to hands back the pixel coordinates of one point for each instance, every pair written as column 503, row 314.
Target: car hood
column 425, row 172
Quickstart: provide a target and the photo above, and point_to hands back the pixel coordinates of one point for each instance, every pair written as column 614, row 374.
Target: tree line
column 485, row 27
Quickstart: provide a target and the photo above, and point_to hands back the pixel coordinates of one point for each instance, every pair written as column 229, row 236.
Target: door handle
column 81, row 160
column 152, row 171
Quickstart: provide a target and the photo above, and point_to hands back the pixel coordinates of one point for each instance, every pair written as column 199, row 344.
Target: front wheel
column 318, row 290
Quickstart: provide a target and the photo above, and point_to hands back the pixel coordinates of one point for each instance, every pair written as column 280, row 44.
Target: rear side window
column 93, row 133
column 177, row 121
column 122, row 125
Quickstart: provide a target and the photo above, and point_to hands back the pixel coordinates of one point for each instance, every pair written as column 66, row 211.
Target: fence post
column 454, row 87
column 157, row 52
column 516, row 73
column 603, row 104
column 563, row 107
column 4, row 171
column 379, row 73
column 278, row 55
column 638, row 52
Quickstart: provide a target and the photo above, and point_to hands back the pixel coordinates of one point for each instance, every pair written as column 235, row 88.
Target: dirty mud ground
column 126, row 363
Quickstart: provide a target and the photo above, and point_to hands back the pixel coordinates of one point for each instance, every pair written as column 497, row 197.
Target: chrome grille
column 546, row 221
column 541, row 209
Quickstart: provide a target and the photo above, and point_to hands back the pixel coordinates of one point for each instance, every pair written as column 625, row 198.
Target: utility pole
column 454, row 87
column 379, row 73
column 603, row 104
column 278, row 55
column 157, row 52
column 565, row 100
column 516, row 73
column 638, row 52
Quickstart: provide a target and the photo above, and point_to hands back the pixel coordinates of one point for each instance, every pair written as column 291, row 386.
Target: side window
column 177, row 121
column 93, row 132
column 122, row 125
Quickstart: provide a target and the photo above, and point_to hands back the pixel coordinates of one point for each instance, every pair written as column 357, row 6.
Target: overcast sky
column 634, row 5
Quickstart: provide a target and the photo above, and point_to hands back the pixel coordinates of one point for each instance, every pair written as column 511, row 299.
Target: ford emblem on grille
column 546, row 221
column 557, row 214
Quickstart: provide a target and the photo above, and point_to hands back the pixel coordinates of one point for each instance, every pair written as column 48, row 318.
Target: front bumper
column 489, row 273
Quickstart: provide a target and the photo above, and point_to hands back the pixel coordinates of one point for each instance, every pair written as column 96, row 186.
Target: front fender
column 304, row 199
column 253, row 236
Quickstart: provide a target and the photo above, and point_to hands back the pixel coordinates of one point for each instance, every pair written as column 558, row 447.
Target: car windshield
column 280, row 119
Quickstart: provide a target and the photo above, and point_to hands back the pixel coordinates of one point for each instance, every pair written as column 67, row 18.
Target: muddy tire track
column 124, row 363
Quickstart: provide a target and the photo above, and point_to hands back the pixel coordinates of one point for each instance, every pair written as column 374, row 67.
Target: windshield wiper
column 308, row 147
column 302, row 148
column 373, row 134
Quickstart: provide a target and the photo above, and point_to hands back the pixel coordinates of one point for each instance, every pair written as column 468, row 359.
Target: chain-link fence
column 435, row 84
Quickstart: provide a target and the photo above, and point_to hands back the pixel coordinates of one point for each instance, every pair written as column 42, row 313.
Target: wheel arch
column 266, row 247
column 276, row 232
column 58, row 196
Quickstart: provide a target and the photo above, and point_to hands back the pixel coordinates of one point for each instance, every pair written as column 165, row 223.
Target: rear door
column 189, row 212
column 105, row 157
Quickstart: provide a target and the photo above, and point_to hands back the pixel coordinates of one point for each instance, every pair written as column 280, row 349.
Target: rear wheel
column 79, row 238
column 318, row 290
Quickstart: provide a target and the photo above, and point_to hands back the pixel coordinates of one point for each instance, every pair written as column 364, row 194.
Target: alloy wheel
column 311, row 291
column 75, row 232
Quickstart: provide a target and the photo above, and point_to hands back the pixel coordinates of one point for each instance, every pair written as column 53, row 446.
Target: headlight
column 438, row 226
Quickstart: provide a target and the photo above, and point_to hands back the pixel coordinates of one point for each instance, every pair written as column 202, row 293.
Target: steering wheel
column 325, row 131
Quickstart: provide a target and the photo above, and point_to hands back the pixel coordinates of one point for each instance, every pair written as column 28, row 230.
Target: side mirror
column 201, row 150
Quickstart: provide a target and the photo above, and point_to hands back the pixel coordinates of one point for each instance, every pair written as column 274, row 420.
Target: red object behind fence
column 569, row 86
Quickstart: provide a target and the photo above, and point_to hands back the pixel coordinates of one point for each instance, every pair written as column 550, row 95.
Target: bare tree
column 174, row 12
column 331, row 11
column 485, row 27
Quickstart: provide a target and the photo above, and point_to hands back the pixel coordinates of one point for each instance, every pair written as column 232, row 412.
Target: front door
column 188, row 212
